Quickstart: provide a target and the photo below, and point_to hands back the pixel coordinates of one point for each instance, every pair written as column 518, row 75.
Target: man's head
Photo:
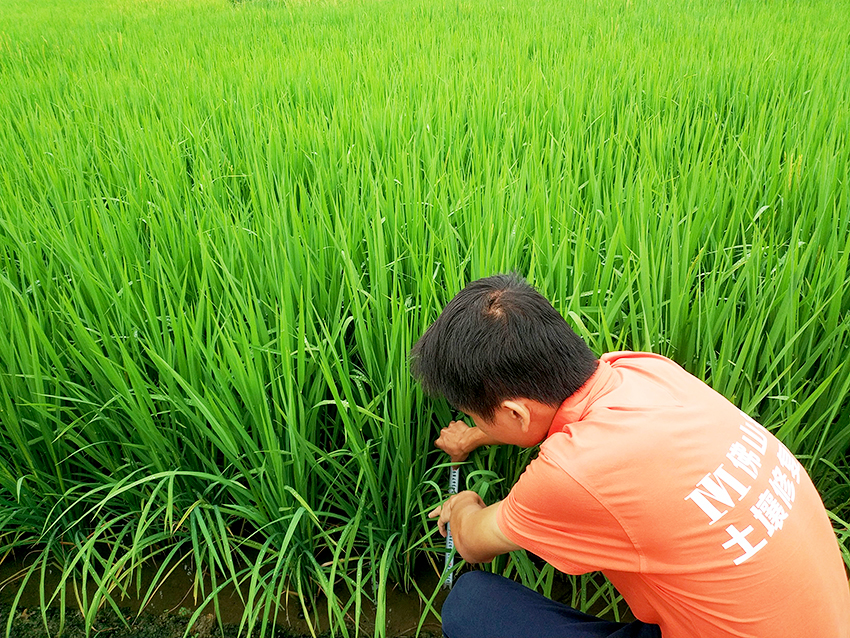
column 497, row 340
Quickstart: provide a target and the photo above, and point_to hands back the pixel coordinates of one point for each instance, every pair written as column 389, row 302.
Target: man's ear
column 520, row 411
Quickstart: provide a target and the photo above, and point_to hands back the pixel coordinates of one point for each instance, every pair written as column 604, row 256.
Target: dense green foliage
column 222, row 226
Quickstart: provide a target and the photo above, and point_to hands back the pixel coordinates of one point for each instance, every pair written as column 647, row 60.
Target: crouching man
column 706, row 524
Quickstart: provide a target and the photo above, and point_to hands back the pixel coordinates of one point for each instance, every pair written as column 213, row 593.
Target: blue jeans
column 484, row 605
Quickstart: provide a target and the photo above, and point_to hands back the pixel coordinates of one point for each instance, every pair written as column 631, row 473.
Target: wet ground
column 168, row 613
column 28, row 623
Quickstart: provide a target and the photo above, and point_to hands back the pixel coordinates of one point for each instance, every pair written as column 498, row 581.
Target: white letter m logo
column 712, row 487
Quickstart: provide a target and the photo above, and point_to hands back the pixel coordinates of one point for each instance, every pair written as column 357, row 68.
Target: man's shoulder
column 638, row 372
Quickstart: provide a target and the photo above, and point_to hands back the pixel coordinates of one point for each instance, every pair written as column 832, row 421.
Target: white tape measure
column 454, row 474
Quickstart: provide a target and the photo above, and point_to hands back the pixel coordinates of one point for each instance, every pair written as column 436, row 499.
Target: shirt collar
column 575, row 406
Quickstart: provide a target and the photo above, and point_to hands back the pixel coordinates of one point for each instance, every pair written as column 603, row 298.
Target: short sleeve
column 549, row 513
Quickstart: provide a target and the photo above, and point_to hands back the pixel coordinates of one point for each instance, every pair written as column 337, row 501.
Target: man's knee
column 466, row 603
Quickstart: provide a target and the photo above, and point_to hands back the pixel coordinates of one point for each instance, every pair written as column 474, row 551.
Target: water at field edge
column 175, row 596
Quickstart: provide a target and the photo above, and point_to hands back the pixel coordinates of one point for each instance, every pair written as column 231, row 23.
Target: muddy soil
column 28, row 623
column 168, row 613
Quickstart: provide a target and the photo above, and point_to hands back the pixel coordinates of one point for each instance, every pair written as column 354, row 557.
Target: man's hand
column 474, row 528
column 467, row 498
column 458, row 440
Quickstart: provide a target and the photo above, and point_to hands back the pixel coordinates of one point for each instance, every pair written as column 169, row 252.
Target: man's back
column 705, row 523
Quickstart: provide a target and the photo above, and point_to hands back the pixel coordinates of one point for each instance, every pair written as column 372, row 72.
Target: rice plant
column 223, row 225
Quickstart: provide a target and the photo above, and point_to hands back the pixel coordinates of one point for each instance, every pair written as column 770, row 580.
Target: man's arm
column 475, row 531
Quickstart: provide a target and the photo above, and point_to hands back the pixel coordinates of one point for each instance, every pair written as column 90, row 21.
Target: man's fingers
column 442, row 525
column 444, row 513
column 453, row 448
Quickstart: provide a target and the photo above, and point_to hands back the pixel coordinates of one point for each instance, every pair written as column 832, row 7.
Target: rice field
column 224, row 224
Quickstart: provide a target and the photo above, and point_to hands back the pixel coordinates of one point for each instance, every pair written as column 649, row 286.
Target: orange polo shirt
column 706, row 524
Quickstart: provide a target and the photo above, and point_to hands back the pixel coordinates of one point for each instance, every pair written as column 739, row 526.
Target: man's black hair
column 500, row 339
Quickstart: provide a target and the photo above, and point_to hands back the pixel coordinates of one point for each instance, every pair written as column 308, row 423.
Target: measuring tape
column 454, row 474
